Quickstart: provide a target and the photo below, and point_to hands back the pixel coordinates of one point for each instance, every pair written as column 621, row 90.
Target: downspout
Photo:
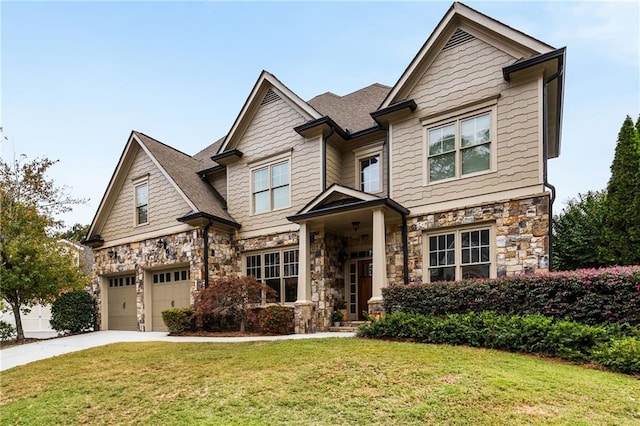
column 545, row 155
column 405, row 250
column 206, row 252
column 324, row 157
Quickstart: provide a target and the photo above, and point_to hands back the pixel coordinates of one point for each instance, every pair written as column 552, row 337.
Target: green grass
column 330, row 381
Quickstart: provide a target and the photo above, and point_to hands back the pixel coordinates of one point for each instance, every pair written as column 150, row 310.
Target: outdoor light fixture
column 161, row 243
column 355, row 225
column 111, row 253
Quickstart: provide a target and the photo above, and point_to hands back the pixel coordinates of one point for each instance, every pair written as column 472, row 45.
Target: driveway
column 30, row 352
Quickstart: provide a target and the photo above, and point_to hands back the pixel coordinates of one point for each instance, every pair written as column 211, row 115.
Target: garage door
column 122, row 303
column 171, row 289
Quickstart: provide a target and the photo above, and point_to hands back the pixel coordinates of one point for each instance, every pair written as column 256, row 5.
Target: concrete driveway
column 30, row 352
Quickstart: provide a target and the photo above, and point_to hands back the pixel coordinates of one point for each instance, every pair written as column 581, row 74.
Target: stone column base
column 376, row 309
column 303, row 318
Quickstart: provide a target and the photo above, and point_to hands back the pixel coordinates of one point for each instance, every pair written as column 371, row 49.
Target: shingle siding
column 165, row 203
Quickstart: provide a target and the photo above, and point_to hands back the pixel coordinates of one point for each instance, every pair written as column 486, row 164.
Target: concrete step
column 348, row 326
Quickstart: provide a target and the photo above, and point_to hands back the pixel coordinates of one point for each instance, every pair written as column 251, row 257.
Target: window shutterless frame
column 141, row 201
column 278, row 269
column 271, row 186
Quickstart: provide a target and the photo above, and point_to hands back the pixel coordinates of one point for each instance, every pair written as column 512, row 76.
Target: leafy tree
column 577, row 231
column 621, row 232
column 76, row 233
column 33, row 269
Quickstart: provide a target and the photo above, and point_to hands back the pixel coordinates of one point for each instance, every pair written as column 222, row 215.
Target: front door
column 365, row 268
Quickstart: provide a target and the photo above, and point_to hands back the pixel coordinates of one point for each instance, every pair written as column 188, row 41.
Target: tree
column 76, row 233
column 621, row 232
column 33, row 268
column 577, row 231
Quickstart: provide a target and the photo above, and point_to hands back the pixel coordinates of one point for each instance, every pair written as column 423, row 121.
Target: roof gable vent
column 271, row 96
column 458, row 38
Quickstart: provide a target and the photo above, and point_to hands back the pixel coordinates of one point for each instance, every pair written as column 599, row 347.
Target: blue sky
column 77, row 77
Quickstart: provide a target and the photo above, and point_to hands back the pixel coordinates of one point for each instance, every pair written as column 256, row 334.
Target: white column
column 304, row 267
column 379, row 257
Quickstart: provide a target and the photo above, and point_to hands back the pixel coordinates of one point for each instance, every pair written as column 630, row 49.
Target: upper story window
column 142, row 203
column 370, row 174
column 277, row 269
column 459, row 255
column 369, row 168
column 461, row 146
column 271, row 187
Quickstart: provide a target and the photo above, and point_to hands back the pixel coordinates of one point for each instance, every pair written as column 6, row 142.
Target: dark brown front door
column 364, row 287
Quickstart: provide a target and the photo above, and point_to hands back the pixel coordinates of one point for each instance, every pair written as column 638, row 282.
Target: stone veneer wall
column 521, row 235
column 327, row 276
column 185, row 248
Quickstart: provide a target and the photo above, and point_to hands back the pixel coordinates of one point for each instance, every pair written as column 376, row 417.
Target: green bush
column 73, row 312
column 616, row 347
column 7, row 331
column 178, row 320
column 276, row 319
column 588, row 296
column 620, row 354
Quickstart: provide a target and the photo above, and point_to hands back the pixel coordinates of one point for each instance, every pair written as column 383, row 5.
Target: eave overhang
column 325, row 124
column 211, row 170
column 202, row 218
column 227, row 157
column 393, row 112
column 93, row 242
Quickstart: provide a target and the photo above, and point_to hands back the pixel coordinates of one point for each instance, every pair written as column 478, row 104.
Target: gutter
column 545, row 147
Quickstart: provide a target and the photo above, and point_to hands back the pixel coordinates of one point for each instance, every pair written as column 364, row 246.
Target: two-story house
column 439, row 177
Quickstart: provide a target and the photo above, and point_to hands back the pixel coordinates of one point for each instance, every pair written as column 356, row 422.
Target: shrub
column 530, row 334
column 589, row 296
column 228, row 303
column 276, row 319
column 73, row 312
column 620, row 354
column 178, row 320
column 7, row 331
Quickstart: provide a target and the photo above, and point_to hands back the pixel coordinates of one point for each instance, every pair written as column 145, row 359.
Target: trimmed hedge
column 276, row 320
column 178, row 320
column 73, row 312
column 588, row 296
column 615, row 347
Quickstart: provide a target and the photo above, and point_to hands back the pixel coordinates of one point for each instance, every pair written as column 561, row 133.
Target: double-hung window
column 460, row 147
column 459, row 254
column 270, row 187
column 279, row 270
column 369, row 172
column 142, row 203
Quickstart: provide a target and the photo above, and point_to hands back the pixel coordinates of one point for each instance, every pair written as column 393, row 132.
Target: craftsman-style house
column 439, row 177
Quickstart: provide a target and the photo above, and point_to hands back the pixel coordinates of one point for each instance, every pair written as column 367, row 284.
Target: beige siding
column 165, row 203
column 466, row 73
column 348, row 169
column 219, row 182
column 271, row 132
column 333, row 165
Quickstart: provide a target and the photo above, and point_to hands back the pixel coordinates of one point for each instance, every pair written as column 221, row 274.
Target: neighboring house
column 38, row 317
column 440, row 177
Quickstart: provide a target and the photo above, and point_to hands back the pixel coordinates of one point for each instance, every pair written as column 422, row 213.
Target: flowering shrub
column 276, row 320
column 589, row 296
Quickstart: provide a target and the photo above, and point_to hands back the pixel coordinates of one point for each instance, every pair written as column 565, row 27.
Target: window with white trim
column 142, row 203
column 369, row 171
column 270, row 187
column 459, row 254
column 278, row 269
column 459, row 147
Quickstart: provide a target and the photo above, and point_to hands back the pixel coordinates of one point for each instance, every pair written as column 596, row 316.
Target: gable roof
column 514, row 42
column 204, row 156
column 265, row 82
column 178, row 168
column 352, row 111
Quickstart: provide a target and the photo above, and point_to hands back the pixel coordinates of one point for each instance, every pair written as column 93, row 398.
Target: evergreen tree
column 621, row 236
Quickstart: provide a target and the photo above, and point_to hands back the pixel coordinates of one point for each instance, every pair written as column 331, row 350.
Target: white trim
column 137, row 184
column 268, row 164
column 271, row 158
column 364, row 153
column 280, row 250
column 342, row 190
column 492, row 197
column 270, row 230
column 540, row 130
column 146, row 236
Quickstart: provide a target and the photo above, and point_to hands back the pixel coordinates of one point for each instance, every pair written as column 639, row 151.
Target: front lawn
column 330, row 381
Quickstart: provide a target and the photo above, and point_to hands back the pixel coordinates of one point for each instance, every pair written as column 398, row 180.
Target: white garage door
column 122, row 303
column 171, row 289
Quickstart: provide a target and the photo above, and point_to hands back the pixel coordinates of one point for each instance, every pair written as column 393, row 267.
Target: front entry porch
column 343, row 256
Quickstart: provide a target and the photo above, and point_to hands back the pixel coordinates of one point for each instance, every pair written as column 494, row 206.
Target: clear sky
column 77, row 77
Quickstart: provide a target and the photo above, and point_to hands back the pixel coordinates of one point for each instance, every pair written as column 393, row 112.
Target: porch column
column 379, row 263
column 304, row 307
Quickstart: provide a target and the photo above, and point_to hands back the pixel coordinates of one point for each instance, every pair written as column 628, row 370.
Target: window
column 459, row 147
column 141, row 200
column 459, row 255
column 277, row 269
column 270, row 187
column 370, row 174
